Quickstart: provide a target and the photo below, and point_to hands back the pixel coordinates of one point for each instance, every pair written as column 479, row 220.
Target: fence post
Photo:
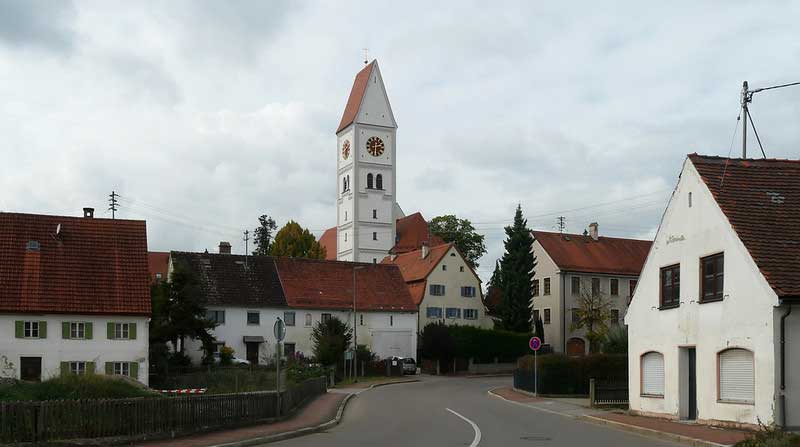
column 592, row 395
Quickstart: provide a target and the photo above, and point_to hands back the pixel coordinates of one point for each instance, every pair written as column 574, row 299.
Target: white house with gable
column 713, row 306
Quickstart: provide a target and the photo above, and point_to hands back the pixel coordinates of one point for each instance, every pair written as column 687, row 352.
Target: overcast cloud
column 203, row 115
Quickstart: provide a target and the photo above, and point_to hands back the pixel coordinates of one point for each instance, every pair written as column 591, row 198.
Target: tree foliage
column 179, row 310
column 262, row 235
column 295, row 241
column 331, row 338
column 593, row 313
column 437, row 343
column 616, row 341
column 516, row 269
column 460, row 232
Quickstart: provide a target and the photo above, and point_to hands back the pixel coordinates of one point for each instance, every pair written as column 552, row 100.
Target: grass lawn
column 369, row 380
column 90, row 386
column 221, row 380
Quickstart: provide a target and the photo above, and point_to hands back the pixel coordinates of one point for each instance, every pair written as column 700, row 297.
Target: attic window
column 690, row 200
column 32, row 245
column 452, row 254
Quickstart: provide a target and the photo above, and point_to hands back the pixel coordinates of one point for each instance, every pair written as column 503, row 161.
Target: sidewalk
column 321, row 410
column 692, row 434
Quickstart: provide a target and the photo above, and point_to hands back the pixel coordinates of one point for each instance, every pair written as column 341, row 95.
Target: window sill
column 712, row 300
column 652, row 396
column 736, row 402
column 669, row 306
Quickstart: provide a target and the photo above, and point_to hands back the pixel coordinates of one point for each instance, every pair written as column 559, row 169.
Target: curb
column 307, row 430
column 652, row 433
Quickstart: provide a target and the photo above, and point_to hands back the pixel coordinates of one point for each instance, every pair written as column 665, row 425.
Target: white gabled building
column 245, row 298
column 74, row 296
column 713, row 306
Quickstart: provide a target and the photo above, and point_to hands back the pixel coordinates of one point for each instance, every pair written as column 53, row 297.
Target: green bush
column 221, row 380
column 226, row 356
column 771, row 436
column 616, row 341
column 483, row 345
column 297, row 372
column 89, row 386
column 561, row 374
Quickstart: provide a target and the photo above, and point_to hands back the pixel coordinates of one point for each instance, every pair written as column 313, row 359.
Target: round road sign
column 535, row 343
column 279, row 329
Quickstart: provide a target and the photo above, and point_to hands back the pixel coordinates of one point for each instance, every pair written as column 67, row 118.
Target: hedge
column 483, row 345
column 560, row 374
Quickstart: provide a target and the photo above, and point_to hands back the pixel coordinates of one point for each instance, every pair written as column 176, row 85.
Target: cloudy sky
column 203, row 115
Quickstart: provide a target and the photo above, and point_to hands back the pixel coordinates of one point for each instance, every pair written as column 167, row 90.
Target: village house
column 569, row 266
column 158, row 265
column 245, row 295
column 712, row 332
column 443, row 286
column 74, row 296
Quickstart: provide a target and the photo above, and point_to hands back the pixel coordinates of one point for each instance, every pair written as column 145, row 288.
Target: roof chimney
column 88, row 213
column 593, row 231
column 224, row 248
column 425, row 250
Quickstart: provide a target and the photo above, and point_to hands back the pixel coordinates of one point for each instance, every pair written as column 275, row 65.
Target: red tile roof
column 578, row 253
column 318, row 284
column 93, row 266
column 413, row 266
column 328, row 242
column 158, row 262
column 356, row 95
column 761, row 199
column 412, row 231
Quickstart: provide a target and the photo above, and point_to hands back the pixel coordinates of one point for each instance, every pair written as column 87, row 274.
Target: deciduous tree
column 460, row 232
column 295, row 241
column 593, row 313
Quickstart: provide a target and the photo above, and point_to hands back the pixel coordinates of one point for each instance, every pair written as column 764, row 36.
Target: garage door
column 393, row 343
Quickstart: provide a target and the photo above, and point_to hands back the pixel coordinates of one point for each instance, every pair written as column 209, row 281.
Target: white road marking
column 477, row 439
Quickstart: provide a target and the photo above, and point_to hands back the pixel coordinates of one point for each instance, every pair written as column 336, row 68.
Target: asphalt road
column 442, row 412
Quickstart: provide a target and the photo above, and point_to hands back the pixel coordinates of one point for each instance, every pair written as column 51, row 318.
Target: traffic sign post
column 535, row 344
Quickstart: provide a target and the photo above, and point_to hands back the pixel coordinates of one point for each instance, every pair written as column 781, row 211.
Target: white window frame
column 286, row 319
column 736, row 393
column 470, row 314
column 651, row 362
column 457, row 313
column 77, row 368
column 77, row 330
column 309, row 320
column 469, row 291
column 122, row 369
column 437, row 290
column 247, row 318
column 31, row 329
column 433, row 317
column 122, row 331
column 216, row 318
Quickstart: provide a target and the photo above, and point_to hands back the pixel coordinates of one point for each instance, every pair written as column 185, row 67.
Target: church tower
column 366, row 160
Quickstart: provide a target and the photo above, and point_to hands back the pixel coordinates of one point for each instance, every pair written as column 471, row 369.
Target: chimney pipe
column 224, row 248
column 424, row 250
column 593, row 231
column 88, row 213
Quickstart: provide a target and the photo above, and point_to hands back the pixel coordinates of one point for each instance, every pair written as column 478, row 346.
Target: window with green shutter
column 19, row 329
column 121, row 331
column 109, row 368
column 30, row 329
column 64, row 368
column 64, row 333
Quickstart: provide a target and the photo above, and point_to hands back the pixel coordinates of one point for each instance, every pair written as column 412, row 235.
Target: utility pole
column 560, row 223
column 112, row 203
column 355, row 326
column 746, row 97
column 246, row 238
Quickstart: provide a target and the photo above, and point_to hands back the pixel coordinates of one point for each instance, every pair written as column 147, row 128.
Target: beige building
column 443, row 285
column 568, row 265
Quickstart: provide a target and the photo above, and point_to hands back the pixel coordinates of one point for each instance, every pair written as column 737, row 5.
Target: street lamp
column 355, row 326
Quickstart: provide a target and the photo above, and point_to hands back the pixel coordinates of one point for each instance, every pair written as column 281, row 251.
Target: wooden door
column 576, row 346
column 31, row 368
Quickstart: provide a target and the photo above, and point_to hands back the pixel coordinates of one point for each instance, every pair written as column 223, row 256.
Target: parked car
column 409, row 365
column 235, row 360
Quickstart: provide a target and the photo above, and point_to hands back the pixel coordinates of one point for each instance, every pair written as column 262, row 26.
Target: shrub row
column 560, row 374
column 89, row 386
column 482, row 345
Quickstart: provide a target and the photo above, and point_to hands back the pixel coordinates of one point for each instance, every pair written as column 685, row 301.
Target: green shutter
column 109, row 368
column 19, row 329
column 134, row 370
column 65, row 330
column 64, row 368
column 110, row 327
column 42, row 329
column 132, row 331
column 88, row 330
column 90, row 367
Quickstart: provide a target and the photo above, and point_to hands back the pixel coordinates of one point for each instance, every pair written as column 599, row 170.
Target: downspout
column 783, row 366
column 563, row 314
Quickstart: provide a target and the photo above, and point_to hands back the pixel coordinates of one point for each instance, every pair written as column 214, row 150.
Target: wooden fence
column 142, row 418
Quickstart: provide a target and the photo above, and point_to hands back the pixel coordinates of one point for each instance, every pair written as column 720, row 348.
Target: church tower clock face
column 375, row 146
column 346, row 149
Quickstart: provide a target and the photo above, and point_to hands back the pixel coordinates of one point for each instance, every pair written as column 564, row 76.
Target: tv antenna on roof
column 747, row 97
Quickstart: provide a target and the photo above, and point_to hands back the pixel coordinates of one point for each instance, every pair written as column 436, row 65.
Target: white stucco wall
column 54, row 349
column 235, row 328
column 743, row 319
column 453, row 279
column 546, row 268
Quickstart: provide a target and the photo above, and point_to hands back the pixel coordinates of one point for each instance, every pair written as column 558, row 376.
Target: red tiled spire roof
column 92, row 266
column 328, row 242
column 356, row 96
column 412, row 232
column 578, row 253
column 761, row 199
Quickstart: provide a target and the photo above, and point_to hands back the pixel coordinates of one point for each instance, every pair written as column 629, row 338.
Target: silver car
column 409, row 365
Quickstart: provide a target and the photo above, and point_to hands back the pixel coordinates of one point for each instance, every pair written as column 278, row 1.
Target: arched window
column 369, row 181
column 379, row 181
column 736, row 376
column 575, row 346
column 652, row 370
column 344, row 185
column 348, row 182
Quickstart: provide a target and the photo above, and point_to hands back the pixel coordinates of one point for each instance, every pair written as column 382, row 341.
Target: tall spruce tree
column 516, row 270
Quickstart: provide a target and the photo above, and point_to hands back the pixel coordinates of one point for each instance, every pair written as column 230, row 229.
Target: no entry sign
column 535, row 343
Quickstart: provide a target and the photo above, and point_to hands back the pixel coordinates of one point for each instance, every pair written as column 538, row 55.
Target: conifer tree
column 516, row 270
